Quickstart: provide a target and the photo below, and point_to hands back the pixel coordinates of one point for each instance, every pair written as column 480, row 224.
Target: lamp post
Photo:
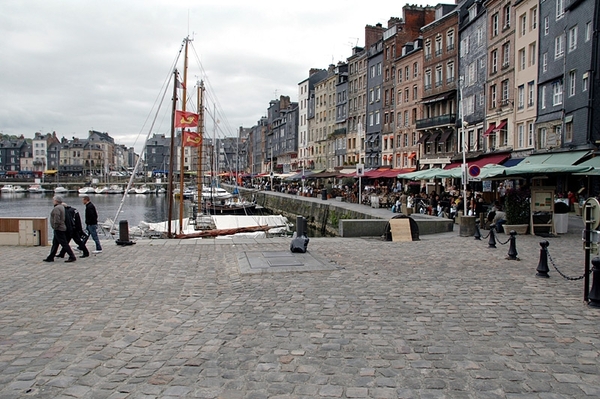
column 464, row 144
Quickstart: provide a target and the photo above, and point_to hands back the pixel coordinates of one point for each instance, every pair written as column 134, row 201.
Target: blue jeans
column 93, row 229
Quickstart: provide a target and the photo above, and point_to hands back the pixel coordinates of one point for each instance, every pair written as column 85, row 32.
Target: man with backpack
column 74, row 231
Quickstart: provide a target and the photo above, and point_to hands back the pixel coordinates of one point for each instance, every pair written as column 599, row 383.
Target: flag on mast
column 186, row 119
column 191, row 139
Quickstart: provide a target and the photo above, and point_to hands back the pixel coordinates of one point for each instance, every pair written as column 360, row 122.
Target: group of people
column 66, row 224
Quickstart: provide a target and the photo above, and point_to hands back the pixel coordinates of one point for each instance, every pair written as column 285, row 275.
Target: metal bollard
column 594, row 295
column 492, row 240
column 300, row 226
column 300, row 240
column 477, row 234
column 124, row 233
column 512, row 248
column 542, row 269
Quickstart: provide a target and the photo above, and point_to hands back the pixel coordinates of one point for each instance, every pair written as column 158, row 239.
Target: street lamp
column 464, row 144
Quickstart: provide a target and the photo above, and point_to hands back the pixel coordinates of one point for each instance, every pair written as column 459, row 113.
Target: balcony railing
column 449, row 119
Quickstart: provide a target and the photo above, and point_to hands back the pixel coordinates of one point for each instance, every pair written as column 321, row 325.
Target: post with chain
column 492, row 240
column 512, row 248
column 477, row 232
column 594, row 294
column 542, row 269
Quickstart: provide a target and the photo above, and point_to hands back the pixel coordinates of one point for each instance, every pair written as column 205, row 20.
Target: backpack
column 73, row 220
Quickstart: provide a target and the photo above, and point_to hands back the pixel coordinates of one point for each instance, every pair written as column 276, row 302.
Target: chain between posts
column 561, row 273
column 502, row 243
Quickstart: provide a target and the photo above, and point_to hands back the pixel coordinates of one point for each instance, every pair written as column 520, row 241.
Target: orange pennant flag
column 186, row 119
column 191, row 139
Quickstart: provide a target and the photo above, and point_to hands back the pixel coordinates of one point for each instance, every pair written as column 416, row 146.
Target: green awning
column 594, row 163
column 558, row 162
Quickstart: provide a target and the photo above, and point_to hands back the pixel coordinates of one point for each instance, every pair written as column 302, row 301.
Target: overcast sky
column 71, row 65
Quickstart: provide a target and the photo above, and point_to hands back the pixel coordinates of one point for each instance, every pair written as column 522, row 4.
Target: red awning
column 481, row 162
column 412, row 155
column 500, row 126
column 489, row 131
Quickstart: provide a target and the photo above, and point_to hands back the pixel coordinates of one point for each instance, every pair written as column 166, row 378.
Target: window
column 506, row 17
column 378, row 93
column 546, row 26
column 522, row 59
column 450, row 72
column 532, row 54
column 521, row 96
column 372, row 96
column 472, row 73
column 406, row 121
column 415, row 92
column 521, row 134
column 544, row 62
column 438, row 46
column 479, row 36
column 493, row 96
column 557, row 93
column 530, row 93
column 494, row 61
column 428, row 49
column 523, row 25
column 407, row 73
column 371, row 119
column 559, row 46
column 572, row 79
column 569, row 131
column 377, row 118
column 560, row 9
column 415, row 69
column 584, row 82
column 495, row 25
column 438, row 76
column 505, row 92
column 464, row 46
column 427, row 80
column 469, row 105
column 472, row 12
column 406, row 98
column 588, row 31
column 373, row 71
column 530, row 134
column 572, row 38
column 505, row 55
column 533, row 18
column 543, row 97
column 450, row 40
column 542, row 138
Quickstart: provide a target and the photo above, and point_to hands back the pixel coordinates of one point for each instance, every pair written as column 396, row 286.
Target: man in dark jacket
column 91, row 222
column 57, row 222
column 74, row 231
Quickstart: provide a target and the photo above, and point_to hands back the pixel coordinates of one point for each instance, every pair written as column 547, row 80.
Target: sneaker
column 97, row 251
column 70, row 260
column 48, row 260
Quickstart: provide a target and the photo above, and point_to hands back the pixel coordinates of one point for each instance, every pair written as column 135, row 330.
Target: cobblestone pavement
column 445, row 317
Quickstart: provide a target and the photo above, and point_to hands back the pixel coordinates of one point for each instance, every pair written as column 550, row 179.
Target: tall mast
column 182, row 155
column 200, row 131
column 172, row 155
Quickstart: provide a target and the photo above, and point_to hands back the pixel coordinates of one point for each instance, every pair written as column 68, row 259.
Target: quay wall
column 322, row 216
column 331, row 217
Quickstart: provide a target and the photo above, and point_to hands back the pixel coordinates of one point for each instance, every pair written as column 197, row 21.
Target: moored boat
column 60, row 190
column 102, row 190
column 11, row 188
column 87, row 190
column 36, row 189
column 143, row 189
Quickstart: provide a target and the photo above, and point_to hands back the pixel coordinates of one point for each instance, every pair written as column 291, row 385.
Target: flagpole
column 200, row 131
column 182, row 155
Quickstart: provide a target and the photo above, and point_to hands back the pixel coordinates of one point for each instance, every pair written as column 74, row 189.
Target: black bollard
column 512, row 248
column 594, row 295
column 299, row 239
column 477, row 232
column 124, row 233
column 492, row 240
column 542, row 269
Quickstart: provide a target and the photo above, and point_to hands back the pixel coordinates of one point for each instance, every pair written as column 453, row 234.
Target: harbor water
column 151, row 208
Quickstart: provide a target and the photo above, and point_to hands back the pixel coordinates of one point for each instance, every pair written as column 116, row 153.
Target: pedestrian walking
column 74, row 231
column 57, row 222
column 91, row 222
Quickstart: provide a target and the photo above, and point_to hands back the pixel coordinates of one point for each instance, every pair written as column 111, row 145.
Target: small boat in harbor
column 143, row 189
column 36, row 189
column 10, row 188
column 60, row 190
column 115, row 189
column 102, row 190
column 87, row 190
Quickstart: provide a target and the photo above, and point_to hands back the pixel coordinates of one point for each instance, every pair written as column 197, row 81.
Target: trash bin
column 324, row 194
column 561, row 217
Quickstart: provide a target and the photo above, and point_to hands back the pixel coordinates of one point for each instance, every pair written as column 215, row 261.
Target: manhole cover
column 283, row 262
column 280, row 254
column 280, row 261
